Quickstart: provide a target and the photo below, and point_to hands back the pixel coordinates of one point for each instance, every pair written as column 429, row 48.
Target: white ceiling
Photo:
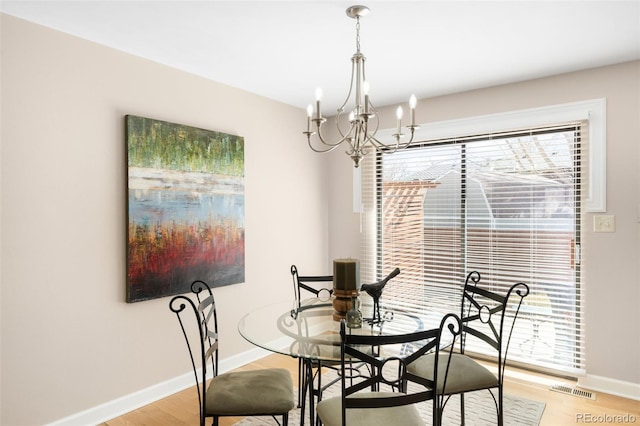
column 285, row 49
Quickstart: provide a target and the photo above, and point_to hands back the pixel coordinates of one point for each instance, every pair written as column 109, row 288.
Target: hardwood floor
column 560, row 409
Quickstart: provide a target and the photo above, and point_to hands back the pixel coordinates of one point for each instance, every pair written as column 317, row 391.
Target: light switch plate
column 604, row 223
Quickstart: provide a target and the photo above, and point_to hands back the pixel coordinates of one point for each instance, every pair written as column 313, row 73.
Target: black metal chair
column 389, row 395
column 265, row 392
column 484, row 316
column 320, row 286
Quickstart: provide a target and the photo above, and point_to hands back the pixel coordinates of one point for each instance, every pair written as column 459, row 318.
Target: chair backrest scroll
column 484, row 311
column 302, row 283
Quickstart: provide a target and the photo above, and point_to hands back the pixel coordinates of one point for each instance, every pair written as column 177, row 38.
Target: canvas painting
column 185, row 208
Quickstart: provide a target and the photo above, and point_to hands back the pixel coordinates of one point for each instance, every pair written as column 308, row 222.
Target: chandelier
column 358, row 128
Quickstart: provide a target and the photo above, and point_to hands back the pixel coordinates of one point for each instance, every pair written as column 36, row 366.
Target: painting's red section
column 157, row 250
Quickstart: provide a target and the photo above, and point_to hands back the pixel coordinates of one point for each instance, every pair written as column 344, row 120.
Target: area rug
column 479, row 409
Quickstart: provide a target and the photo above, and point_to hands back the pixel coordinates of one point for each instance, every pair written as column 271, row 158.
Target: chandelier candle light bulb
column 309, row 115
column 318, row 99
column 412, row 107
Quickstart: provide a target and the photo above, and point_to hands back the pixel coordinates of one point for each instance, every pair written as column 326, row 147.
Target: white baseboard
column 133, row 401
column 610, row 386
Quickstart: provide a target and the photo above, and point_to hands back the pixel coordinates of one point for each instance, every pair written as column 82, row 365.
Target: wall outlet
column 604, row 223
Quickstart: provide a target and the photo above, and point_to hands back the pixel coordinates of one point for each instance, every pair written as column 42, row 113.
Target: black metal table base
column 312, row 392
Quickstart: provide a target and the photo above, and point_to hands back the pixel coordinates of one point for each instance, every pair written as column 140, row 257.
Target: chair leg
column 500, row 407
column 301, row 383
column 310, row 392
column 435, row 410
column 285, row 419
column 319, row 376
column 307, row 391
column 462, row 409
column 319, row 394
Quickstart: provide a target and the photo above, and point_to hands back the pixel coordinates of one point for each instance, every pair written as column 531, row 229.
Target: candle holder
column 346, row 284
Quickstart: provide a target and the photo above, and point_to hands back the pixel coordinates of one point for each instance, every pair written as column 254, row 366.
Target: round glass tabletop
column 312, row 332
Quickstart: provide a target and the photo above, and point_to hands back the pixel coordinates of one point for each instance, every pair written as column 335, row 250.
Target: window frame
column 592, row 112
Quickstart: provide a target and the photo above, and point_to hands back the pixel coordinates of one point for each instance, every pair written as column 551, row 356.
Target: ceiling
column 283, row 50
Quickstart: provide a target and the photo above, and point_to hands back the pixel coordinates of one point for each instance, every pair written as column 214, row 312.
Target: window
column 506, row 204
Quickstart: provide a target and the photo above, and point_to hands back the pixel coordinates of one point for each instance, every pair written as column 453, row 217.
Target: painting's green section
column 162, row 145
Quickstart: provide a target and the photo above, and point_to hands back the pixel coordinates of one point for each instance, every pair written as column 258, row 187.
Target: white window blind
column 507, row 205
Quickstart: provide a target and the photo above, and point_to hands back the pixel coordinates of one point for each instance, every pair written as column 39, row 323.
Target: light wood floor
column 560, row 409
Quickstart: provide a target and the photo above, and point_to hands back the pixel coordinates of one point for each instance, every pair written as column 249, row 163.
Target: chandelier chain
column 358, row 34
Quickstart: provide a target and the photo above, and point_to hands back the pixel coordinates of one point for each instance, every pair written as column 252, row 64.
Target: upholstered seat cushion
column 266, row 391
column 465, row 374
column 330, row 412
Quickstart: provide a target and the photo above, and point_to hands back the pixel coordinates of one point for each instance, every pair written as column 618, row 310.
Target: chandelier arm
column 329, row 144
column 346, row 101
column 363, row 146
column 361, row 137
column 357, row 151
column 390, row 149
column 369, row 137
column 353, row 147
column 344, row 136
column 328, row 149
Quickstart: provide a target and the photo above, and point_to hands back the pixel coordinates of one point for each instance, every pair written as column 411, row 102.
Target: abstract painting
column 185, row 208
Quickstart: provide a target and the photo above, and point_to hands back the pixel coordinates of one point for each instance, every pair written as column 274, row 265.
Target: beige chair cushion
column 330, row 412
column 465, row 374
column 266, row 391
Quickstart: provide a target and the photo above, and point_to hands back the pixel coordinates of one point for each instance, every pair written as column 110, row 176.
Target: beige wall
column 610, row 260
column 69, row 341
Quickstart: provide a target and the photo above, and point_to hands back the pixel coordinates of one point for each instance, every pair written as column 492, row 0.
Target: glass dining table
column 311, row 333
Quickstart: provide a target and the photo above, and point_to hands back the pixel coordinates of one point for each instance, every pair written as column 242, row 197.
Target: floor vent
column 573, row 391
